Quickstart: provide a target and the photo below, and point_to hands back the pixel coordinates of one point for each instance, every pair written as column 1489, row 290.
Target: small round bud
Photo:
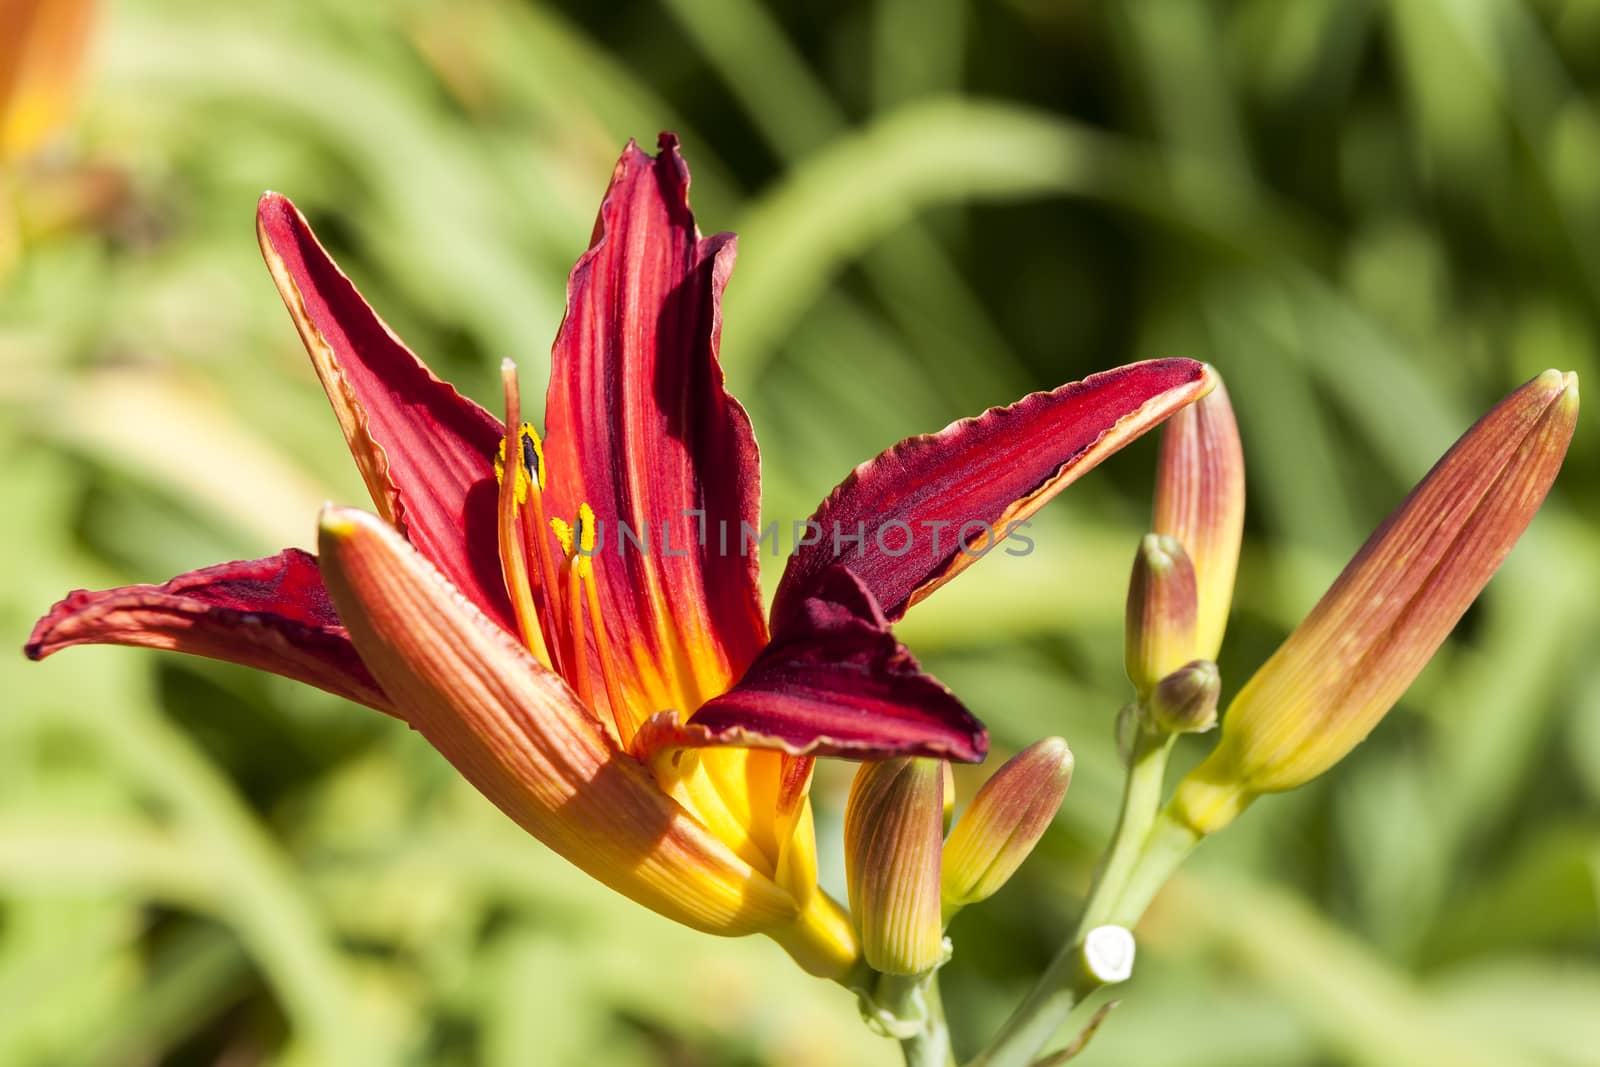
column 1185, row 701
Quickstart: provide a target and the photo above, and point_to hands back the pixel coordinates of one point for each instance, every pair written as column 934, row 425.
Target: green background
column 1374, row 218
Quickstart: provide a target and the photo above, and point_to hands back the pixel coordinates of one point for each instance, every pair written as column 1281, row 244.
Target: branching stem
column 1144, row 851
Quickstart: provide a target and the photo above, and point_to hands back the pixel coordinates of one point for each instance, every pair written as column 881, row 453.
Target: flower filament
column 550, row 600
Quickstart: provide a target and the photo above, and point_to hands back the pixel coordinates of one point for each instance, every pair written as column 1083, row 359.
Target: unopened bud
column 1200, row 501
column 1343, row 668
column 1008, row 816
column 1161, row 611
column 893, row 829
column 1185, row 701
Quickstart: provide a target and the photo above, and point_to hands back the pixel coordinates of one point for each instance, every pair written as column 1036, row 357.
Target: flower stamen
column 591, row 592
column 534, row 526
column 513, row 553
column 572, row 571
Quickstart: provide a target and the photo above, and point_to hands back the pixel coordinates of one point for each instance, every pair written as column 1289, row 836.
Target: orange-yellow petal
column 520, row 735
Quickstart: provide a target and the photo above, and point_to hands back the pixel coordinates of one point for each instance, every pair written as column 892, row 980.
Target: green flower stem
column 1141, row 799
column 1067, row 982
column 931, row 1046
column 1167, row 845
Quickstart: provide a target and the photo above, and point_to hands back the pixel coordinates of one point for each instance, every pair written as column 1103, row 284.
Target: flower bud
column 1185, row 701
column 1200, row 501
column 1344, row 667
column 893, row 828
column 1008, row 816
column 1161, row 611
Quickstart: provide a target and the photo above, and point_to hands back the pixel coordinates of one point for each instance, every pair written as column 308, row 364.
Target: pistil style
column 591, row 596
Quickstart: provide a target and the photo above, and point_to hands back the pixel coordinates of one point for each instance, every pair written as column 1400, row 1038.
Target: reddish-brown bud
column 1344, row 667
column 1200, row 501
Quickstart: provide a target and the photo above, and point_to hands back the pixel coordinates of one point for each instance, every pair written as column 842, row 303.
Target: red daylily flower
column 628, row 705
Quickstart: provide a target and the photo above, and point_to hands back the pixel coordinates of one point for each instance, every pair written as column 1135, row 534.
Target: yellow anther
column 532, row 470
column 500, row 470
column 586, row 530
column 585, row 534
column 563, row 531
column 531, row 491
column 533, row 454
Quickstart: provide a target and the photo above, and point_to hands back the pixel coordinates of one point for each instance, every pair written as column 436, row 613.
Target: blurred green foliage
column 1374, row 218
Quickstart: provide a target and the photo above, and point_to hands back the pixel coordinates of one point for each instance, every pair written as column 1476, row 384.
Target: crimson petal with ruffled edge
column 837, row 683
column 911, row 502
column 272, row 614
column 425, row 451
column 641, row 428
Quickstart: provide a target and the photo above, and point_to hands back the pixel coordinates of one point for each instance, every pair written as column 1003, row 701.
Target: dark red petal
column 981, row 474
column 272, row 614
column 425, row 451
column 641, row 428
column 837, row 683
